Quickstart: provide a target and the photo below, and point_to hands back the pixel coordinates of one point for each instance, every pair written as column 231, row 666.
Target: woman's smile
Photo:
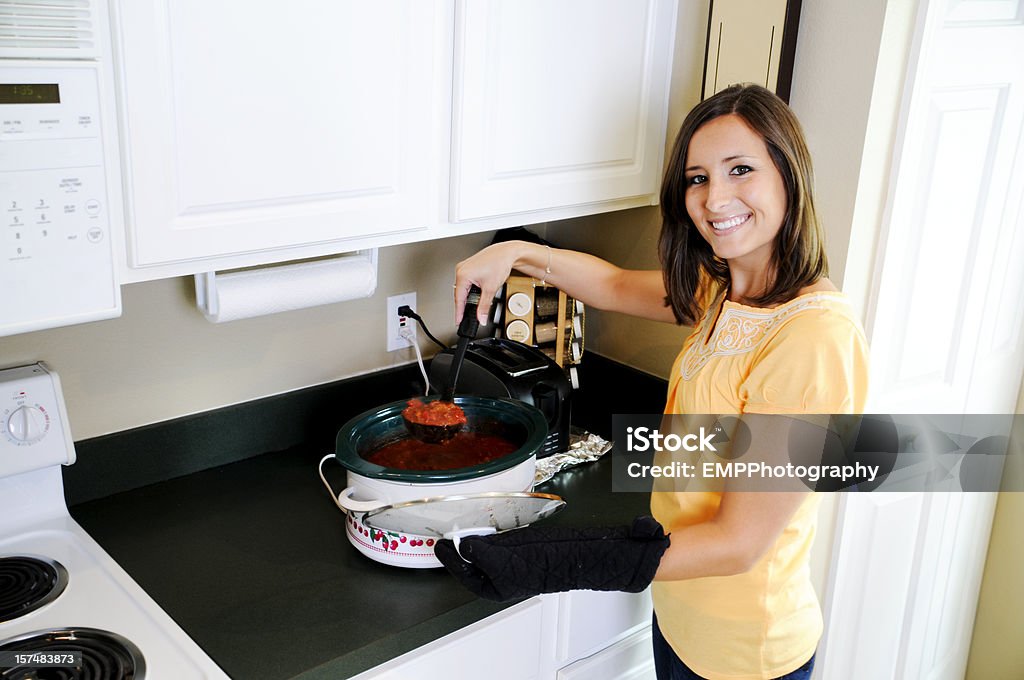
column 729, row 225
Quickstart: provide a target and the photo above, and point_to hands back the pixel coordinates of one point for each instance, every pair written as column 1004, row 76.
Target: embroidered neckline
column 740, row 328
column 838, row 295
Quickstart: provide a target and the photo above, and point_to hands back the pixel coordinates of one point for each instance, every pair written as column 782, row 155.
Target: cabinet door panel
column 504, row 646
column 629, row 659
column 558, row 104
column 251, row 128
column 589, row 620
column 744, row 44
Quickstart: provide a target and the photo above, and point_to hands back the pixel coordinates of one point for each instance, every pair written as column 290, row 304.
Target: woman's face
column 734, row 193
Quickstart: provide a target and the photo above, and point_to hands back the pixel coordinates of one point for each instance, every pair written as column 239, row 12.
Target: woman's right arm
column 593, row 281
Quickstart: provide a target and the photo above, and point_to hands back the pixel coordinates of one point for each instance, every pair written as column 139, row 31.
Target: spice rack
column 544, row 317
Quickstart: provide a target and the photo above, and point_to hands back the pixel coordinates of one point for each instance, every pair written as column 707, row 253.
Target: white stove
column 59, row 590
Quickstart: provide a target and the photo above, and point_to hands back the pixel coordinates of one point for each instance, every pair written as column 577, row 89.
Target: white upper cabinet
column 262, row 132
column 259, row 126
column 558, row 103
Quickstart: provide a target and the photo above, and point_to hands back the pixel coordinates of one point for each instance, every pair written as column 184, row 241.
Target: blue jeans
column 669, row 666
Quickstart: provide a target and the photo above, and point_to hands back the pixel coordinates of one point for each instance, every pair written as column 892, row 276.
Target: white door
column 946, row 337
column 558, row 103
column 946, row 333
column 251, row 126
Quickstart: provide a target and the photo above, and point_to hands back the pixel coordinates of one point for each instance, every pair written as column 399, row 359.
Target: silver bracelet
column 547, row 269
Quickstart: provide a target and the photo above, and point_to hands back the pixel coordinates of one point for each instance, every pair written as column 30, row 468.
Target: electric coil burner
column 104, row 655
column 28, row 583
column 59, row 590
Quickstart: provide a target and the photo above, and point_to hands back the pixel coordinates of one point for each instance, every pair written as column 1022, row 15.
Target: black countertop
column 248, row 552
column 251, row 559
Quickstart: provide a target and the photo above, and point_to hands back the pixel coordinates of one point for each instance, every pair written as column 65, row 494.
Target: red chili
column 435, row 412
column 465, row 449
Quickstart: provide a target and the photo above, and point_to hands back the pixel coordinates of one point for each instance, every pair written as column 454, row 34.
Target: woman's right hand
column 586, row 278
column 487, row 269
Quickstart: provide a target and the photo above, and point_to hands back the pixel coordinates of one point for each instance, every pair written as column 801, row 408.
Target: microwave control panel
column 56, row 169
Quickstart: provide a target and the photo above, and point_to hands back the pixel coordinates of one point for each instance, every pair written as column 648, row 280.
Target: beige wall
column 996, row 651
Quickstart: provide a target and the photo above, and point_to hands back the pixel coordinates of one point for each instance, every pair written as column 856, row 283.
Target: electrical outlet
column 396, row 324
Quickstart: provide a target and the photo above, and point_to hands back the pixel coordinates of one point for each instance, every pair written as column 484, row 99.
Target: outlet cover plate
column 395, row 323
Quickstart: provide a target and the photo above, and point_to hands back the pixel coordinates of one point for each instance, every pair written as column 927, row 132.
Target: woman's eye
column 741, row 170
column 695, row 180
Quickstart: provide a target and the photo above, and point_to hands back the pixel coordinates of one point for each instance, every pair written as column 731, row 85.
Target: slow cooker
column 370, row 486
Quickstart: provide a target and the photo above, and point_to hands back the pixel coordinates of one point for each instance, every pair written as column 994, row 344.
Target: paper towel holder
column 208, row 301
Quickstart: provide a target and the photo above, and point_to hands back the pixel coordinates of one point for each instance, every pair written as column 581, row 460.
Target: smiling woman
column 743, row 262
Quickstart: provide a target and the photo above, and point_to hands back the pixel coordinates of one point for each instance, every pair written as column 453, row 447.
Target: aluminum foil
column 584, row 447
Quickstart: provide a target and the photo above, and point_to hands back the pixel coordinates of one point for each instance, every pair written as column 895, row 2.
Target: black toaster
column 497, row 367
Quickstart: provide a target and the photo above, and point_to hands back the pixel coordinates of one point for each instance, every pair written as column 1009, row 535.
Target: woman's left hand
column 530, row 561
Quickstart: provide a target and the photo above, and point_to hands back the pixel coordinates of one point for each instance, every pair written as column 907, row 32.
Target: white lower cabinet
column 588, row 621
column 568, row 636
column 505, row 646
column 628, row 659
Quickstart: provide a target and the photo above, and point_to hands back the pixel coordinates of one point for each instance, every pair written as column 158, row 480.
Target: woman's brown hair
column 798, row 255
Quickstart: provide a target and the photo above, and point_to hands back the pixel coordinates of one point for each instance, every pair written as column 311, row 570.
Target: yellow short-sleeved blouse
column 808, row 355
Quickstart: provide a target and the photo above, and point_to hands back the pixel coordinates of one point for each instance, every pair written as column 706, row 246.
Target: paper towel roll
column 269, row 290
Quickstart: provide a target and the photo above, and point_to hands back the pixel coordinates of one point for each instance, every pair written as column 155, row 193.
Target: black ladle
column 468, row 327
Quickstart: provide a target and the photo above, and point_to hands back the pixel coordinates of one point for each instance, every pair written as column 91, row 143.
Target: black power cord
column 406, row 310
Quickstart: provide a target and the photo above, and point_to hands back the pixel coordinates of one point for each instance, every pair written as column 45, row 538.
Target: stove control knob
column 27, row 424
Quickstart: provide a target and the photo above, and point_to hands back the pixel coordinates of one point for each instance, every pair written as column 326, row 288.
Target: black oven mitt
column 529, row 561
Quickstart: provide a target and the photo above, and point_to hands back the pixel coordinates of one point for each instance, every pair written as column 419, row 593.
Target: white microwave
column 60, row 180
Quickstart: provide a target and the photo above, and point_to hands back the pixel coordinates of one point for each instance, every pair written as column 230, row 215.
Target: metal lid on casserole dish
column 447, row 515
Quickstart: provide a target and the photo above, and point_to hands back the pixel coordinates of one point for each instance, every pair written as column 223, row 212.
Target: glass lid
column 446, row 515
